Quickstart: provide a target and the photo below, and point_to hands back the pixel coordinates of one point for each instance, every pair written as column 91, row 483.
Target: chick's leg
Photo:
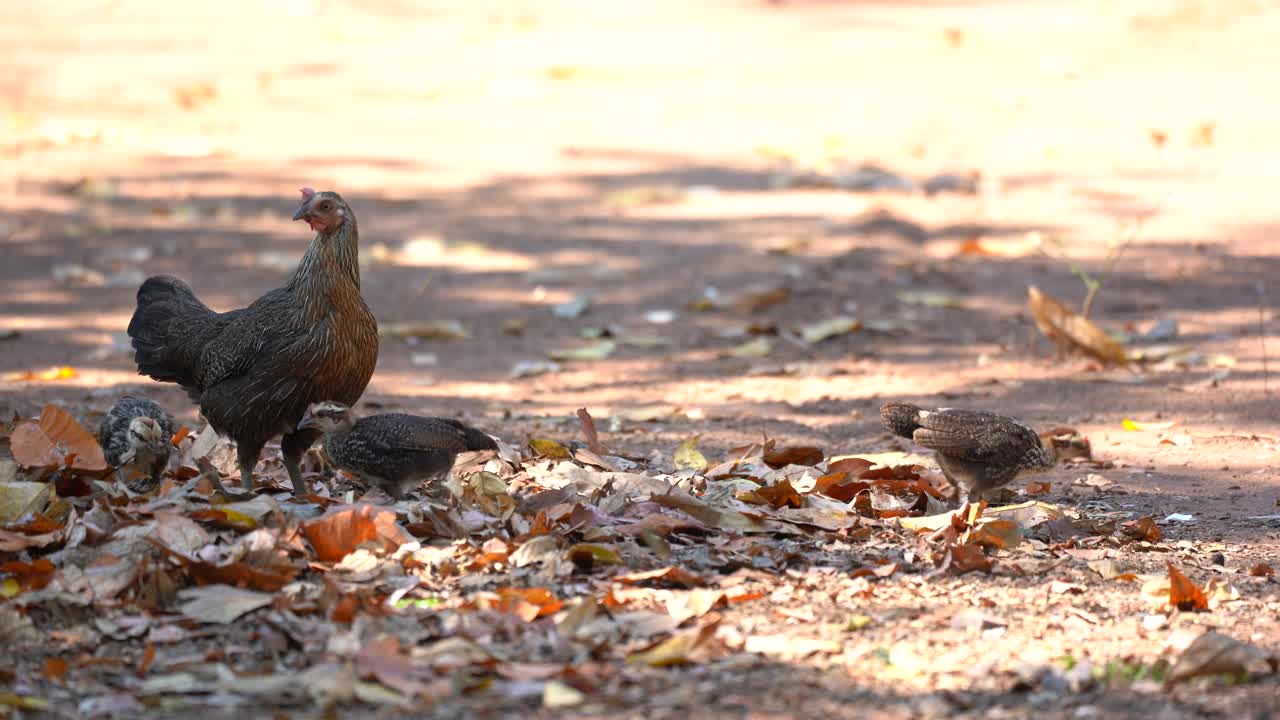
column 292, row 446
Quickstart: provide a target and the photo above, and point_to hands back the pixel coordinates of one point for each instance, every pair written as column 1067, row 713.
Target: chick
column 977, row 451
column 135, row 437
column 393, row 451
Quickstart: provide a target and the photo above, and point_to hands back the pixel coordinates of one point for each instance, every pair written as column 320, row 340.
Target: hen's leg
column 292, row 446
column 247, row 454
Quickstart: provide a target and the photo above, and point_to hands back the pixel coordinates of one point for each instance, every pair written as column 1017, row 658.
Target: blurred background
column 742, row 215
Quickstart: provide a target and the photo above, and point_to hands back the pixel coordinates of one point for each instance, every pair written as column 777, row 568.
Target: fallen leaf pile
column 551, row 575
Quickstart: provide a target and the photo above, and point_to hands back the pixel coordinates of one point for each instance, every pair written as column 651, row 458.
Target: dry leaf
column 1065, row 327
column 588, row 555
column 929, row 298
column 678, row 649
column 543, row 447
column 56, row 438
column 589, row 432
column 65, row 372
column 788, row 646
column 55, row 668
column 758, row 298
column 961, row 559
column 1134, row 426
column 1216, row 654
column 996, row 533
column 1108, row 570
column 556, row 695
column 1183, row 594
column 20, row 499
column 695, row 603
column 780, row 494
column 793, row 456
column 1142, row 529
column 723, row 518
column 596, row 351
column 687, row 457
column 528, row 604
column 381, row 659
column 434, row 330
column 220, row 604
column 34, row 575
column 1202, row 134
column 756, row 348
column 826, row 329
column 670, row 574
column 343, row 529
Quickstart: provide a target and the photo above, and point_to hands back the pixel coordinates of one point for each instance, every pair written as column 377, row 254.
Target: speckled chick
column 977, row 451
column 135, row 437
column 393, row 451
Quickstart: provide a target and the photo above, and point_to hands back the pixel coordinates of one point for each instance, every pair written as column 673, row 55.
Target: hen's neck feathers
column 331, row 261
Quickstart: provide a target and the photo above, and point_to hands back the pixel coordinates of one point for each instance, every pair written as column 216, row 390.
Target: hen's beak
column 302, row 213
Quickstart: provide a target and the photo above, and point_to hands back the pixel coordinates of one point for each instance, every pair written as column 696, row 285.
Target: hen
column 135, row 438
column 977, row 451
column 393, row 451
column 254, row 371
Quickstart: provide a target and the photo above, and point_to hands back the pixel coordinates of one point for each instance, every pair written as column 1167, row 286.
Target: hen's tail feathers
column 902, row 419
column 477, row 440
column 166, row 306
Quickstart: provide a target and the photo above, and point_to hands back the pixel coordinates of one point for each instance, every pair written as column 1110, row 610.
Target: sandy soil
column 504, row 157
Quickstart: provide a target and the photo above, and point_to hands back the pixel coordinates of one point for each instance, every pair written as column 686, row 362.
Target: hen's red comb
column 307, row 193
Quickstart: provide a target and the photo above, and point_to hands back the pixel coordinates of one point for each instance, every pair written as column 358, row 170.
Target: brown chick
column 135, row 437
column 977, row 451
column 393, row 451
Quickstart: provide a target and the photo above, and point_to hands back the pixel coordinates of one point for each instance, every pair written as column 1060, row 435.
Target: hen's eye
column 325, row 206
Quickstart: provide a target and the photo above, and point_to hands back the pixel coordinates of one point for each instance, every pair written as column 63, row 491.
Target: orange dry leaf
column 181, row 435
column 1183, row 594
column 793, row 456
column 1037, row 488
column 66, row 372
column 1002, row 534
column 1261, row 570
column 29, row 576
column 55, row 668
column 345, row 528
column 528, row 604
column 1144, row 528
column 148, row 657
column 855, row 466
column 57, row 440
column 780, row 494
column 967, row 558
column 494, row 550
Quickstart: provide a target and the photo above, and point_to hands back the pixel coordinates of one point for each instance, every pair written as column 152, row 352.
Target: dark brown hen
column 977, row 451
column 393, row 451
column 254, row 371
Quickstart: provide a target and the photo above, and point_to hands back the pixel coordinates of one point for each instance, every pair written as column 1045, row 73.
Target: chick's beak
column 307, row 422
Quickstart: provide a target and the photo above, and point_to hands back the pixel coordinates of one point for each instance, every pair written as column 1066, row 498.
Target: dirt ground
column 504, row 158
